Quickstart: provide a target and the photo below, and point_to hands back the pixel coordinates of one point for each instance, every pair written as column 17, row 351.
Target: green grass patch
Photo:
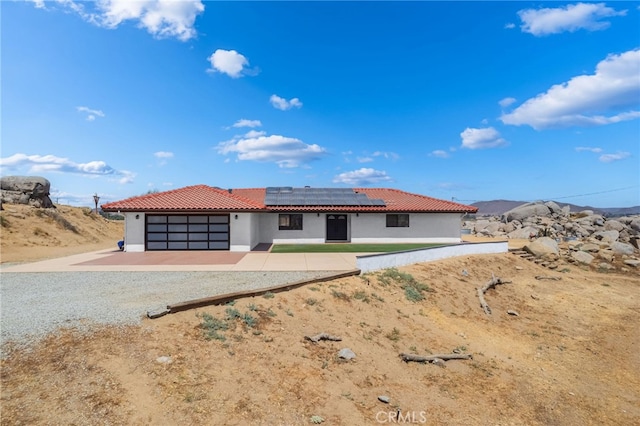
column 347, row 248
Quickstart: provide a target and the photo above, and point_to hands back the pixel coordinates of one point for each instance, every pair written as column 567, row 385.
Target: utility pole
column 96, row 199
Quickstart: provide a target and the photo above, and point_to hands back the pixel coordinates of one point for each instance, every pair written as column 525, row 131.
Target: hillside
column 498, row 207
column 28, row 233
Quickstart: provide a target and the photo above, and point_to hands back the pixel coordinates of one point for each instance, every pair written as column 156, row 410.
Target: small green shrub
column 393, row 335
column 249, row 320
column 340, row 295
column 311, row 301
column 361, row 295
column 232, row 313
column 212, row 326
column 268, row 295
column 4, row 222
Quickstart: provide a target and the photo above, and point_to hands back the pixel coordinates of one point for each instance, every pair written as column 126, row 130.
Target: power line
column 595, row 193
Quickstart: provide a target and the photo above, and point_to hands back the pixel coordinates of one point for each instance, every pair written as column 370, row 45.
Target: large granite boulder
column 543, row 247
column 33, row 190
column 526, row 211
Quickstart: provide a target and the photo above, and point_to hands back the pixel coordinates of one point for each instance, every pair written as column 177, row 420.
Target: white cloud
column 163, row 154
column 285, row 151
column 572, row 17
column 362, row 177
column 161, row 18
column 50, row 163
column 481, row 138
column 509, row 26
column 506, row 102
column 608, row 158
column 439, row 153
column 91, row 113
column 387, row 155
column 283, row 104
column 589, row 149
column 247, row 123
column 230, row 62
column 364, row 159
column 584, row 99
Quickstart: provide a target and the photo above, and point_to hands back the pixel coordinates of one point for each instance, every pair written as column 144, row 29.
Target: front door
column 336, row 227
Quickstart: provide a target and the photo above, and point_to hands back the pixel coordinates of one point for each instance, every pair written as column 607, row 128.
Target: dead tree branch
column 323, row 336
column 482, row 290
column 432, row 358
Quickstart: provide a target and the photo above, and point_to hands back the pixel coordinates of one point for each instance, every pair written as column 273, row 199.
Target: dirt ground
column 28, row 234
column 571, row 356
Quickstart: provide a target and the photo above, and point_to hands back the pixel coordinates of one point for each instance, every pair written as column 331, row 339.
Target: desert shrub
column 361, row 295
column 393, row 335
column 340, row 295
column 211, row 327
column 57, row 218
column 4, row 222
column 413, row 289
column 249, row 320
column 268, row 295
column 40, row 232
column 232, row 313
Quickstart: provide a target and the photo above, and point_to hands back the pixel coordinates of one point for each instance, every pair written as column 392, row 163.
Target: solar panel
column 289, row 196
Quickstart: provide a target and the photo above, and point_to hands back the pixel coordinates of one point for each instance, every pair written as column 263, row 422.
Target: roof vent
column 230, row 190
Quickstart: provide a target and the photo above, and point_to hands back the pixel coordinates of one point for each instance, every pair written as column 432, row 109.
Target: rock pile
column 32, row 190
column 555, row 233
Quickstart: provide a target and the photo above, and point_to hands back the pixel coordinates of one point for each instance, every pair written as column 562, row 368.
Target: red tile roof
column 203, row 197
column 197, row 197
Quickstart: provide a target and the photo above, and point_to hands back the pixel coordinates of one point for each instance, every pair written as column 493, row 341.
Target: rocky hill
column 499, row 207
column 557, row 235
column 30, row 233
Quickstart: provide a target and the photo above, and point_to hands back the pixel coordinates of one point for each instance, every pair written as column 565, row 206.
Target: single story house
column 202, row 217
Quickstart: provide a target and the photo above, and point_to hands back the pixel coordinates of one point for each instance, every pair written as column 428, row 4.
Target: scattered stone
column 632, row 262
column 346, row 353
column 164, row 360
column 535, row 297
column 439, row 362
column 514, row 313
column 157, row 312
column 384, row 398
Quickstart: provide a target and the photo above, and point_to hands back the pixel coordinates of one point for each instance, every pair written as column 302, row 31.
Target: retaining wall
column 373, row 262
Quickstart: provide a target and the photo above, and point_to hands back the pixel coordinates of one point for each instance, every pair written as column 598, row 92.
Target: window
column 290, row 222
column 397, row 221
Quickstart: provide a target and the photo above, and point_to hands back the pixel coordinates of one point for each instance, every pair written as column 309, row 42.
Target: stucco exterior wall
column 423, row 228
column 244, row 231
column 312, row 232
column 134, row 232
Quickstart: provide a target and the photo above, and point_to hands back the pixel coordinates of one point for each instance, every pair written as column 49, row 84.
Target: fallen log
column 482, row 290
column 544, row 277
column 432, row 358
column 323, row 336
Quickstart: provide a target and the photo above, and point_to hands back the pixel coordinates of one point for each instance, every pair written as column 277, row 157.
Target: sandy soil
column 28, row 234
column 570, row 357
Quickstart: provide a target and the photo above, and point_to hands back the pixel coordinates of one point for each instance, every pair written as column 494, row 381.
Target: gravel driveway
column 34, row 304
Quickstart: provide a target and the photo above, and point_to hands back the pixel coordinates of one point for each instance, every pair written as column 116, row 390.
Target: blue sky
column 470, row 101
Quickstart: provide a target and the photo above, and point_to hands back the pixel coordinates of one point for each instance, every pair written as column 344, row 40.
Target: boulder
column 543, row 247
column 33, row 190
column 621, row 248
column 607, row 236
column 582, row 257
column 524, row 233
column 555, row 208
column 614, row 225
column 526, row 211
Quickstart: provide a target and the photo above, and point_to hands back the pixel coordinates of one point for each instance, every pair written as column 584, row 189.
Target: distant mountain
column 498, row 207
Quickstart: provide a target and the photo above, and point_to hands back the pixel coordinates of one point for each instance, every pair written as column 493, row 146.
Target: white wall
column 244, row 233
column 134, row 232
column 312, row 232
column 376, row 262
column 423, row 228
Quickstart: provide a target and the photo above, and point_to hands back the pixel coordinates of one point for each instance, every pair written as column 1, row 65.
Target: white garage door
column 187, row 232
